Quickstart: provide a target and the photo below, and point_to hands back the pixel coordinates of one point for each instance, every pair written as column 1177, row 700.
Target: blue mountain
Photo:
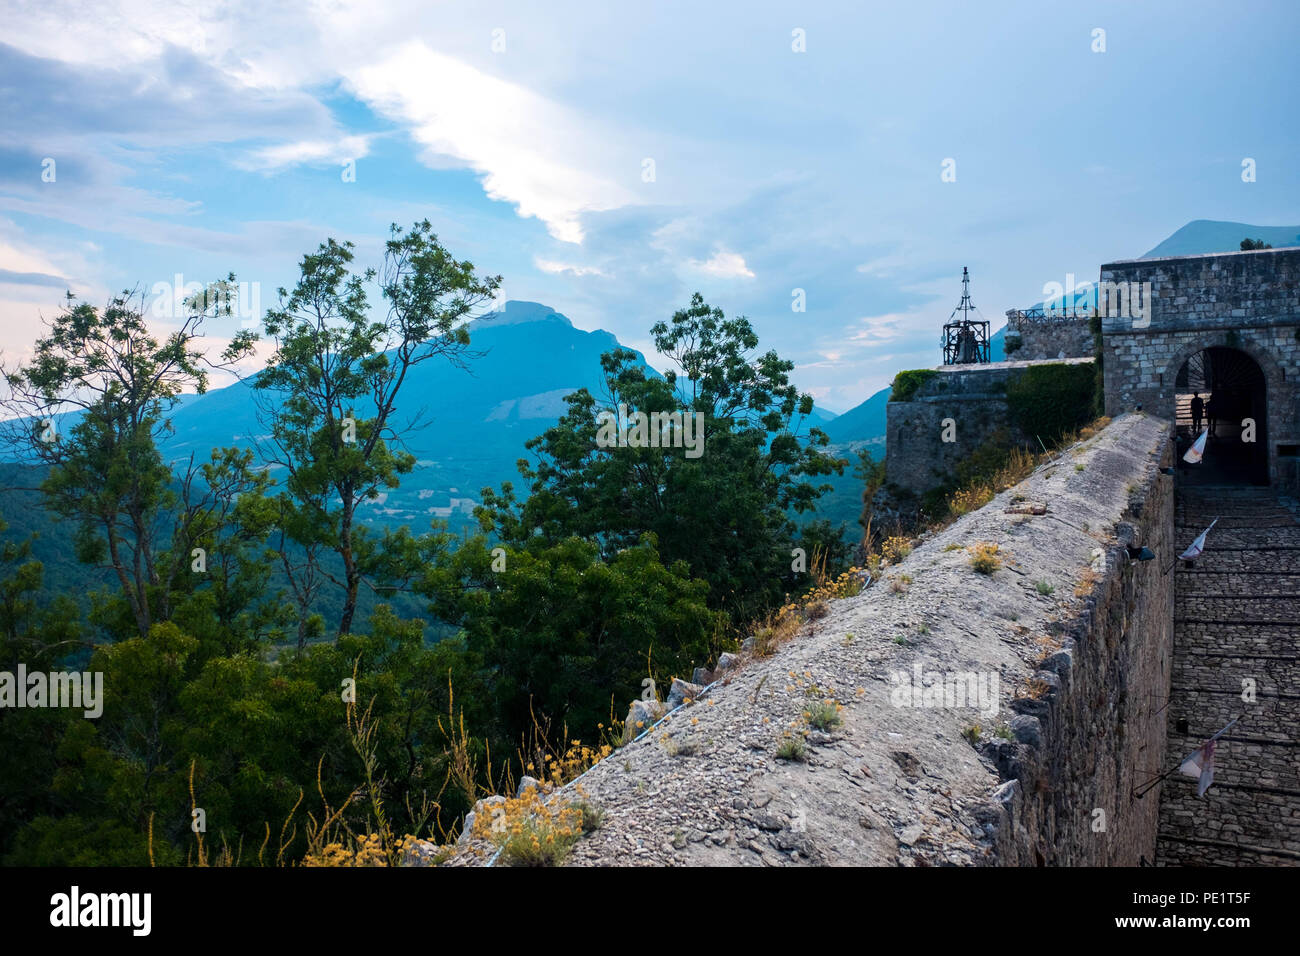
column 1207, row 235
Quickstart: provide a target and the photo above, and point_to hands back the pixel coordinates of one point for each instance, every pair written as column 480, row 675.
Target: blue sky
column 207, row 138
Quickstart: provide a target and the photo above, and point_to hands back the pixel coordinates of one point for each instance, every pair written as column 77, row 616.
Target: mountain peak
column 1201, row 236
column 516, row 312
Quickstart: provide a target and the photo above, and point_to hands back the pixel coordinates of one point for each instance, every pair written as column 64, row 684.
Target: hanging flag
column 1197, row 451
column 1201, row 766
column 1196, row 547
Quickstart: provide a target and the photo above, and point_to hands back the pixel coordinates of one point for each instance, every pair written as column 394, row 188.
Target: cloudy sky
column 610, row 158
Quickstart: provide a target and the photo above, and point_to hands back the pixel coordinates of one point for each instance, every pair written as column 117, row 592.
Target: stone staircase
column 1236, row 619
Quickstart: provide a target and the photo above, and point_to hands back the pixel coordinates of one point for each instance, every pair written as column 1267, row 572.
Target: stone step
column 1209, row 710
column 1197, row 853
column 1225, row 539
column 1214, row 584
column 1246, row 760
column 1270, row 639
column 1240, row 608
column 1271, row 676
column 1235, row 522
column 1266, row 818
column 1236, row 634
column 1227, row 560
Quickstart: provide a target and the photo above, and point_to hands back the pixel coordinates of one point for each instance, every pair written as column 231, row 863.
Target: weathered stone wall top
column 1069, row 718
column 1047, row 338
column 1219, row 290
column 986, row 379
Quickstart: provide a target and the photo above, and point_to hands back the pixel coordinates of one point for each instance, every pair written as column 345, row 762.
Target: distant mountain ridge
column 476, row 421
column 1208, row 235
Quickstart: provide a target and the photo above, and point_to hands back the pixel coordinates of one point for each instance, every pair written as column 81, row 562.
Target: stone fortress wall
column 1044, row 773
column 974, row 397
column 1098, row 678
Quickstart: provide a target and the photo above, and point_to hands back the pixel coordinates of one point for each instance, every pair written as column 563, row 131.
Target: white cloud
column 539, row 156
column 883, row 266
column 722, row 265
column 317, row 151
column 874, row 330
column 15, row 259
column 563, row 268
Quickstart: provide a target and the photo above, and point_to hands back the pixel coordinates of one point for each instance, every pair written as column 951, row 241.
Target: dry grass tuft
column 1087, row 581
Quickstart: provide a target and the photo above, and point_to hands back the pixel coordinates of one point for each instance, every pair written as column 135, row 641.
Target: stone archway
column 1274, row 377
column 1223, row 392
column 1260, row 468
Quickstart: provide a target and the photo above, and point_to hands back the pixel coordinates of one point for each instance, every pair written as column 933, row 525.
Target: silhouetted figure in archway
column 1198, row 412
column 1212, row 413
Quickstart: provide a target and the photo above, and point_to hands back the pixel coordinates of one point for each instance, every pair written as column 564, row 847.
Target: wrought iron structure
column 965, row 340
column 1040, row 315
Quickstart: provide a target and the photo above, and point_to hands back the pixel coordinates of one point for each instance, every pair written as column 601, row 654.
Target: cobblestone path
column 1236, row 619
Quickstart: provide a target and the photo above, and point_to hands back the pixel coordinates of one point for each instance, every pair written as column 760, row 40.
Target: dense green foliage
column 223, row 689
column 723, row 513
column 1049, row 400
column 908, row 381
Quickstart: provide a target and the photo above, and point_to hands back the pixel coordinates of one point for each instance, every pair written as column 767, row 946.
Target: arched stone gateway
column 1234, row 316
column 1223, row 393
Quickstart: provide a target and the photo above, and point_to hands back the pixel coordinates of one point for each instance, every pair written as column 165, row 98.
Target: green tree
column 105, row 474
column 872, row 475
column 724, row 512
column 566, row 636
column 42, row 638
column 329, row 394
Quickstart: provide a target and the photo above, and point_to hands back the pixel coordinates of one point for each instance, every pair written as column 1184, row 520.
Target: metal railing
column 1042, row 316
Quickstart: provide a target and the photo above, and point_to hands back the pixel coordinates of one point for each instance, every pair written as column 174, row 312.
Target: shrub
column 985, row 558
column 1087, row 581
column 896, row 548
column 969, row 499
column 907, row 382
column 539, row 843
column 592, row 816
column 1044, row 587
column 823, row 714
column 791, row 747
column 531, row 832
column 1037, row 688
column 1049, row 400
